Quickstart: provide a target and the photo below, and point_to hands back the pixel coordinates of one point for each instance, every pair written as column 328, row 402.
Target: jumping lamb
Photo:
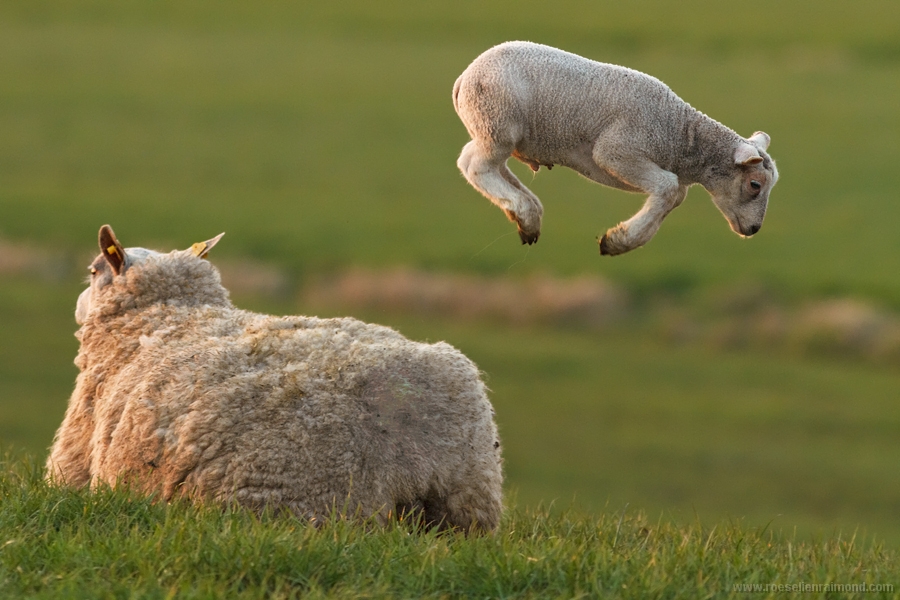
column 616, row 126
column 182, row 394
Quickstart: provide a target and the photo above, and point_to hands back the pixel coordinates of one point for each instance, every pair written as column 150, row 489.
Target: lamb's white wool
column 611, row 124
column 180, row 393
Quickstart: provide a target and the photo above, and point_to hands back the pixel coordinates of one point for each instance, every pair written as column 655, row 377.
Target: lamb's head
column 742, row 193
column 115, row 263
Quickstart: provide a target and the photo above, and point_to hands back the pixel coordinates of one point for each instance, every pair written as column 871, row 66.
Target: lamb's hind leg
column 487, row 172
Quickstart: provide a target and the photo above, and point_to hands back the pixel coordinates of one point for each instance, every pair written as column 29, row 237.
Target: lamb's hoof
column 608, row 248
column 529, row 238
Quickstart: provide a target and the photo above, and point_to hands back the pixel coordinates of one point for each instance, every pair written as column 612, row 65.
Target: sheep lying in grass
column 613, row 125
column 180, row 393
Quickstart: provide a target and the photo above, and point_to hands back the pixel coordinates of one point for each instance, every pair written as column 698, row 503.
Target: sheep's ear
column 747, row 154
column 111, row 249
column 201, row 249
column 760, row 139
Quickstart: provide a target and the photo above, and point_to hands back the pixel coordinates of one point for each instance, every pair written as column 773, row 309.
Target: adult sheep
column 181, row 393
column 611, row 124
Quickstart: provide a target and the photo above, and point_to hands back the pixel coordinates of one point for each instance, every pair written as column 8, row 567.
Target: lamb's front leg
column 639, row 229
column 666, row 193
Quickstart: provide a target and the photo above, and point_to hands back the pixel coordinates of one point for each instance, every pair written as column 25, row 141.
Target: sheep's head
column 115, row 260
column 743, row 195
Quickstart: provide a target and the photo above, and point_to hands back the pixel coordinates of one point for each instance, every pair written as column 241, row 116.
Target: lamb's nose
column 754, row 229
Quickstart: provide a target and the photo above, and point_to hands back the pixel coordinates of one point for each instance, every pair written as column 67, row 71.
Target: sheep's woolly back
column 181, row 393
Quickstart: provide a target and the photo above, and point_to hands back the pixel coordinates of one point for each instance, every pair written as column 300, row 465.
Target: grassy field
column 322, row 137
column 60, row 543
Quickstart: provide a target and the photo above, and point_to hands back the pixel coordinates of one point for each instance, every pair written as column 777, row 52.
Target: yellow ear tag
column 199, row 249
column 113, row 250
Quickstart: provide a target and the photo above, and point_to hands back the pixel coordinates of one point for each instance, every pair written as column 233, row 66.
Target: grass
column 321, row 137
column 601, row 419
column 58, row 542
column 689, row 431
column 36, row 369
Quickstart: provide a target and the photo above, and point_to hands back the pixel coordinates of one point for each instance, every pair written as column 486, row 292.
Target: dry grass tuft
column 848, row 326
column 20, row 259
column 735, row 317
column 583, row 301
column 249, row 277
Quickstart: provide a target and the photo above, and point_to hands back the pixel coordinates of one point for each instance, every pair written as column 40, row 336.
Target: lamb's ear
column 760, row 139
column 111, row 249
column 747, row 154
column 201, row 249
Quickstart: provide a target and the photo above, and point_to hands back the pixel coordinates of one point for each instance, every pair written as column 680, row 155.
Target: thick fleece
column 180, row 393
column 616, row 126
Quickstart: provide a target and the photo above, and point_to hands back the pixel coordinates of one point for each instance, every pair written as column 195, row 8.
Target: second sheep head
column 115, row 260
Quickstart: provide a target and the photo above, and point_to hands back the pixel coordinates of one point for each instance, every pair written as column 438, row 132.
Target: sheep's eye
column 755, row 185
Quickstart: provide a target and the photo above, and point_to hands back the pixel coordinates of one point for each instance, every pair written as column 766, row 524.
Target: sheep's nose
column 753, row 229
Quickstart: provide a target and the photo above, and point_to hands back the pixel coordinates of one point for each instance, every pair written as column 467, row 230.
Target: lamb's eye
column 93, row 271
column 755, row 185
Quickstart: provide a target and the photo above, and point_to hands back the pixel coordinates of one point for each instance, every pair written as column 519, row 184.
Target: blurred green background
column 321, row 137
